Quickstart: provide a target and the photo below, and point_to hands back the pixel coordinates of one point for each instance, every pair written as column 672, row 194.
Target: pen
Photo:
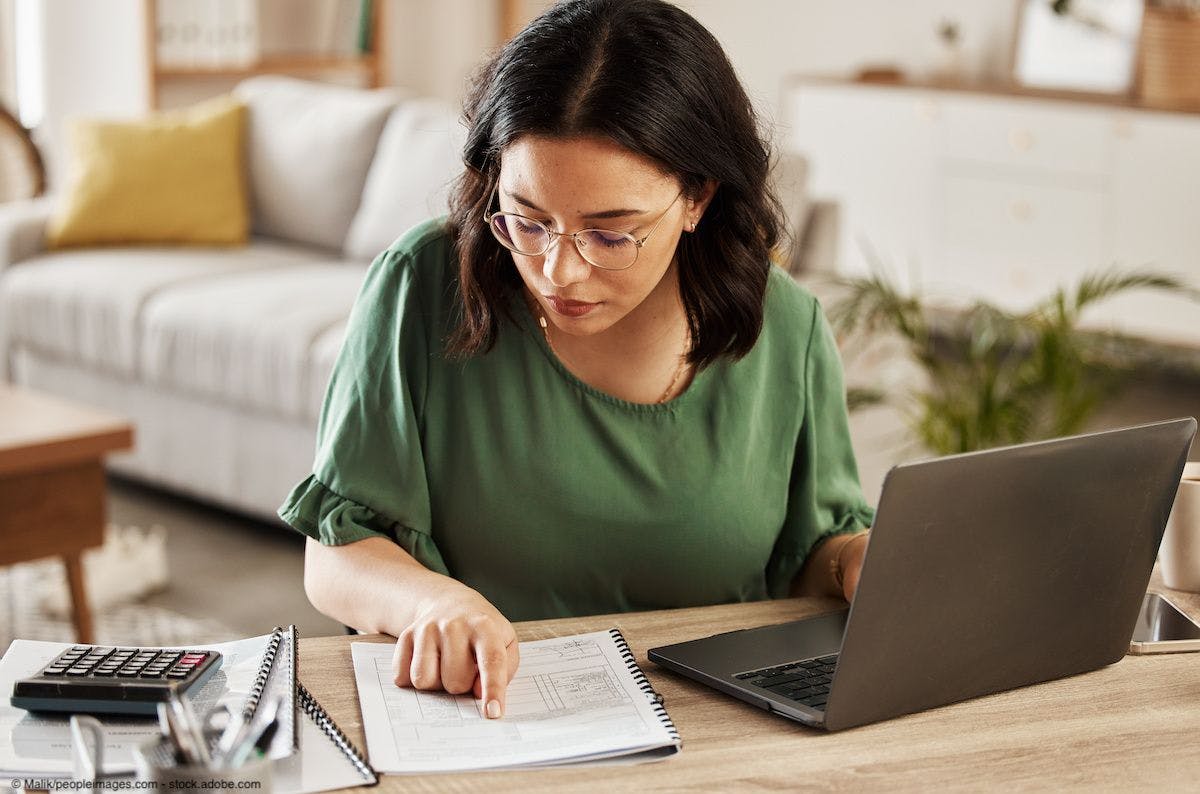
column 251, row 735
column 189, row 729
column 258, row 748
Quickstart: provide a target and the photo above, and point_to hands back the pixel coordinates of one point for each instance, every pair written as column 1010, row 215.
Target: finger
column 457, row 661
column 425, row 670
column 402, row 659
column 492, row 658
column 514, row 657
column 514, row 661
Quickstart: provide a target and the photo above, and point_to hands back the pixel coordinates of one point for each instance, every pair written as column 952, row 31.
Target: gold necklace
column 666, row 395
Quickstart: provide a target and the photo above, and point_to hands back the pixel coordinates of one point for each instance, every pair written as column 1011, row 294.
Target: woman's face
column 591, row 183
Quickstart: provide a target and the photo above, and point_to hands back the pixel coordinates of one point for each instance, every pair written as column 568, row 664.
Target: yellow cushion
column 176, row 177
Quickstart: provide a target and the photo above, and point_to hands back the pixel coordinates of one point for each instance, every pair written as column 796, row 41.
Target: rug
column 33, row 598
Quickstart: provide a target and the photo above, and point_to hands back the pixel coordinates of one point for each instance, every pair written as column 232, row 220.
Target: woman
column 587, row 391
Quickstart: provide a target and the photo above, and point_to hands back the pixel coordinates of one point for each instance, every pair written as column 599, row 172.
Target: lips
column 569, row 308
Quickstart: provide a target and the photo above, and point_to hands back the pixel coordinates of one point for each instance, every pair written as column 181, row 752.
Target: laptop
column 986, row 571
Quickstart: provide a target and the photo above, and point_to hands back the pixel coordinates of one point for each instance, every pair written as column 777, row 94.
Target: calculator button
column 104, row 672
column 178, row 675
column 127, row 673
column 77, row 671
column 54, row 671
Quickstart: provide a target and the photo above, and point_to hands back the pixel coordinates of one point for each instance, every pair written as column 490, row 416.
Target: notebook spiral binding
column 639, row 677
column 330, row 728
column 264, row 673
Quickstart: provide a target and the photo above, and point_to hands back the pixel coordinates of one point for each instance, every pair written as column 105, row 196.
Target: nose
column 563, row 266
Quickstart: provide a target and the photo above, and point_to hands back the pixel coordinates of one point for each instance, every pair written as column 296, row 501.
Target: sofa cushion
column 174, row 177
column 84, row 306
column 245, row 339
column 309, row 146
column 418, row 157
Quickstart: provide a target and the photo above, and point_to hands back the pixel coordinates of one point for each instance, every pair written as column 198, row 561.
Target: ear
column 696, row 205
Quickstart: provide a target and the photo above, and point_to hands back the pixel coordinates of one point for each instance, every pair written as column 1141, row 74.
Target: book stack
column 207, row 33
column 224, row 34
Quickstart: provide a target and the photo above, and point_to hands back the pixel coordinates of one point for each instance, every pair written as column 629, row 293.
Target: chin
column 583, row 326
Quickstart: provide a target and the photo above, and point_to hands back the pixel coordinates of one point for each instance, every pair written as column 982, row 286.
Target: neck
column 658, row 322
column 641, row 358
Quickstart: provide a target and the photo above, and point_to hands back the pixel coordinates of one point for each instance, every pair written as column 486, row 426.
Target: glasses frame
column 552, row 237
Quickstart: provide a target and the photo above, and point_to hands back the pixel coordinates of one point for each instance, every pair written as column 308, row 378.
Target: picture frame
column 1077, row 45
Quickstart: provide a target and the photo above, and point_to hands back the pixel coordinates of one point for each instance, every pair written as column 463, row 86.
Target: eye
column 524, row 227
column 608, row 239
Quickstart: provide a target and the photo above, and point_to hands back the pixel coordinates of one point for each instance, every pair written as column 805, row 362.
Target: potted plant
column 996, row 377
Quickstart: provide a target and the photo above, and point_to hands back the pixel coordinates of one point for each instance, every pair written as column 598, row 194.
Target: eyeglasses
column 603, row 248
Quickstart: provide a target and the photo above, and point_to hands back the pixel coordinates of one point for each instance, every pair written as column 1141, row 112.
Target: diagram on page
column 572, row 698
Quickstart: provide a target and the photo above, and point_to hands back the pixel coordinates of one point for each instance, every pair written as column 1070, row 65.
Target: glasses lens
column 607, row 249
column 520, row 234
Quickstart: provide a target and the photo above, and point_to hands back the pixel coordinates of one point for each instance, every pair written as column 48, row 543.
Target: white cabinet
column 968, row 196
column 873, row 160
column 1155, row 191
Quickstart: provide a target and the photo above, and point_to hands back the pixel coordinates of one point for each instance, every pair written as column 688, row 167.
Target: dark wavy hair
column 647, row 76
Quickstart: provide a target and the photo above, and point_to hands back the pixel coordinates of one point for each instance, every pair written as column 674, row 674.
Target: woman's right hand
column 458, row 642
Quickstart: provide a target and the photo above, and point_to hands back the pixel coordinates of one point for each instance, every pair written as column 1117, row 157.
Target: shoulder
column 790, row 311
column 420, row 266
column 427, row 249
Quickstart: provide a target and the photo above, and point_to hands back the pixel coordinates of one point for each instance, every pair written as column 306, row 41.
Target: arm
column 23, row 229
column 448, row 635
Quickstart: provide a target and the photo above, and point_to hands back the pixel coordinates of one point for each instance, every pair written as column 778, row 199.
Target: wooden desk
column 1133, row 724
column 52, row 484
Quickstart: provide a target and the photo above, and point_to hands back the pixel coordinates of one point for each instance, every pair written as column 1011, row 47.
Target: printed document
column 574, row 699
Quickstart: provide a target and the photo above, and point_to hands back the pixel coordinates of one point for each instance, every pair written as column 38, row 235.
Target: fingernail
column 493, row 709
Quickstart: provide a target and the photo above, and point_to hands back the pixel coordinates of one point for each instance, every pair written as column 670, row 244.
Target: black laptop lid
column 1008, row 567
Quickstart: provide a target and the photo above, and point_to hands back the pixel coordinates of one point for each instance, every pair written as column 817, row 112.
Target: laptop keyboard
column 805, row 682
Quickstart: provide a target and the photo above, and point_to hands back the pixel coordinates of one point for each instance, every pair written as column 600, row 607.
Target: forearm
column 373, row 585
column 819, row 576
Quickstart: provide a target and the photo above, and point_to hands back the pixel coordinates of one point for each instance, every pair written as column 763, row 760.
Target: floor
column 245, row 573
column 248, row 574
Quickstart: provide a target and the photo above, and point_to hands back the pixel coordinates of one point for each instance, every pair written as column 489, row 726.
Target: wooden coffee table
column 52, row 488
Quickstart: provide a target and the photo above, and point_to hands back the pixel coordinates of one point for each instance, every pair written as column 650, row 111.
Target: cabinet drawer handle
column 1021, row 210
column 1020, row 140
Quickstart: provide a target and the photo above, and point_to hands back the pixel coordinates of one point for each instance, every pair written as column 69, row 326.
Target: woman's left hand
column 850, row 561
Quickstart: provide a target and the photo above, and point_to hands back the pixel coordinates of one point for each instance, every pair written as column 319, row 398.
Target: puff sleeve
column 369, row 475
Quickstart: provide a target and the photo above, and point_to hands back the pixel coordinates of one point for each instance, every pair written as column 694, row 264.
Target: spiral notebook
column 574, row 700
column 276, row 677
column 327, row 759
column 311, row 754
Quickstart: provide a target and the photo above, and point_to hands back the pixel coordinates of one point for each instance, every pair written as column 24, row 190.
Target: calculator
column 91, row 679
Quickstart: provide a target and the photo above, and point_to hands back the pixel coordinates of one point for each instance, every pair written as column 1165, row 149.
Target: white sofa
column 220, row 355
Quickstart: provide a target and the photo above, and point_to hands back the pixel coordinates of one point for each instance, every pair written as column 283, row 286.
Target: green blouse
column 554, row 499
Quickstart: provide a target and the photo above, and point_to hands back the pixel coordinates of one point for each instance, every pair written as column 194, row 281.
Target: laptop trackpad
column 751, row 649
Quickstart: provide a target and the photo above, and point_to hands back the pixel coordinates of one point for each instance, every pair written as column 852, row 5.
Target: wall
column 434, row 46
column 8, row 84
column 93, row 64
column 769, row 39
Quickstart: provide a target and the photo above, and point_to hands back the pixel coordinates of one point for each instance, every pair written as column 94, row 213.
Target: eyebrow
column 606, row 214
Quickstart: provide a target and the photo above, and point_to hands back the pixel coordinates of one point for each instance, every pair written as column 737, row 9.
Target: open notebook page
column 574, row 699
